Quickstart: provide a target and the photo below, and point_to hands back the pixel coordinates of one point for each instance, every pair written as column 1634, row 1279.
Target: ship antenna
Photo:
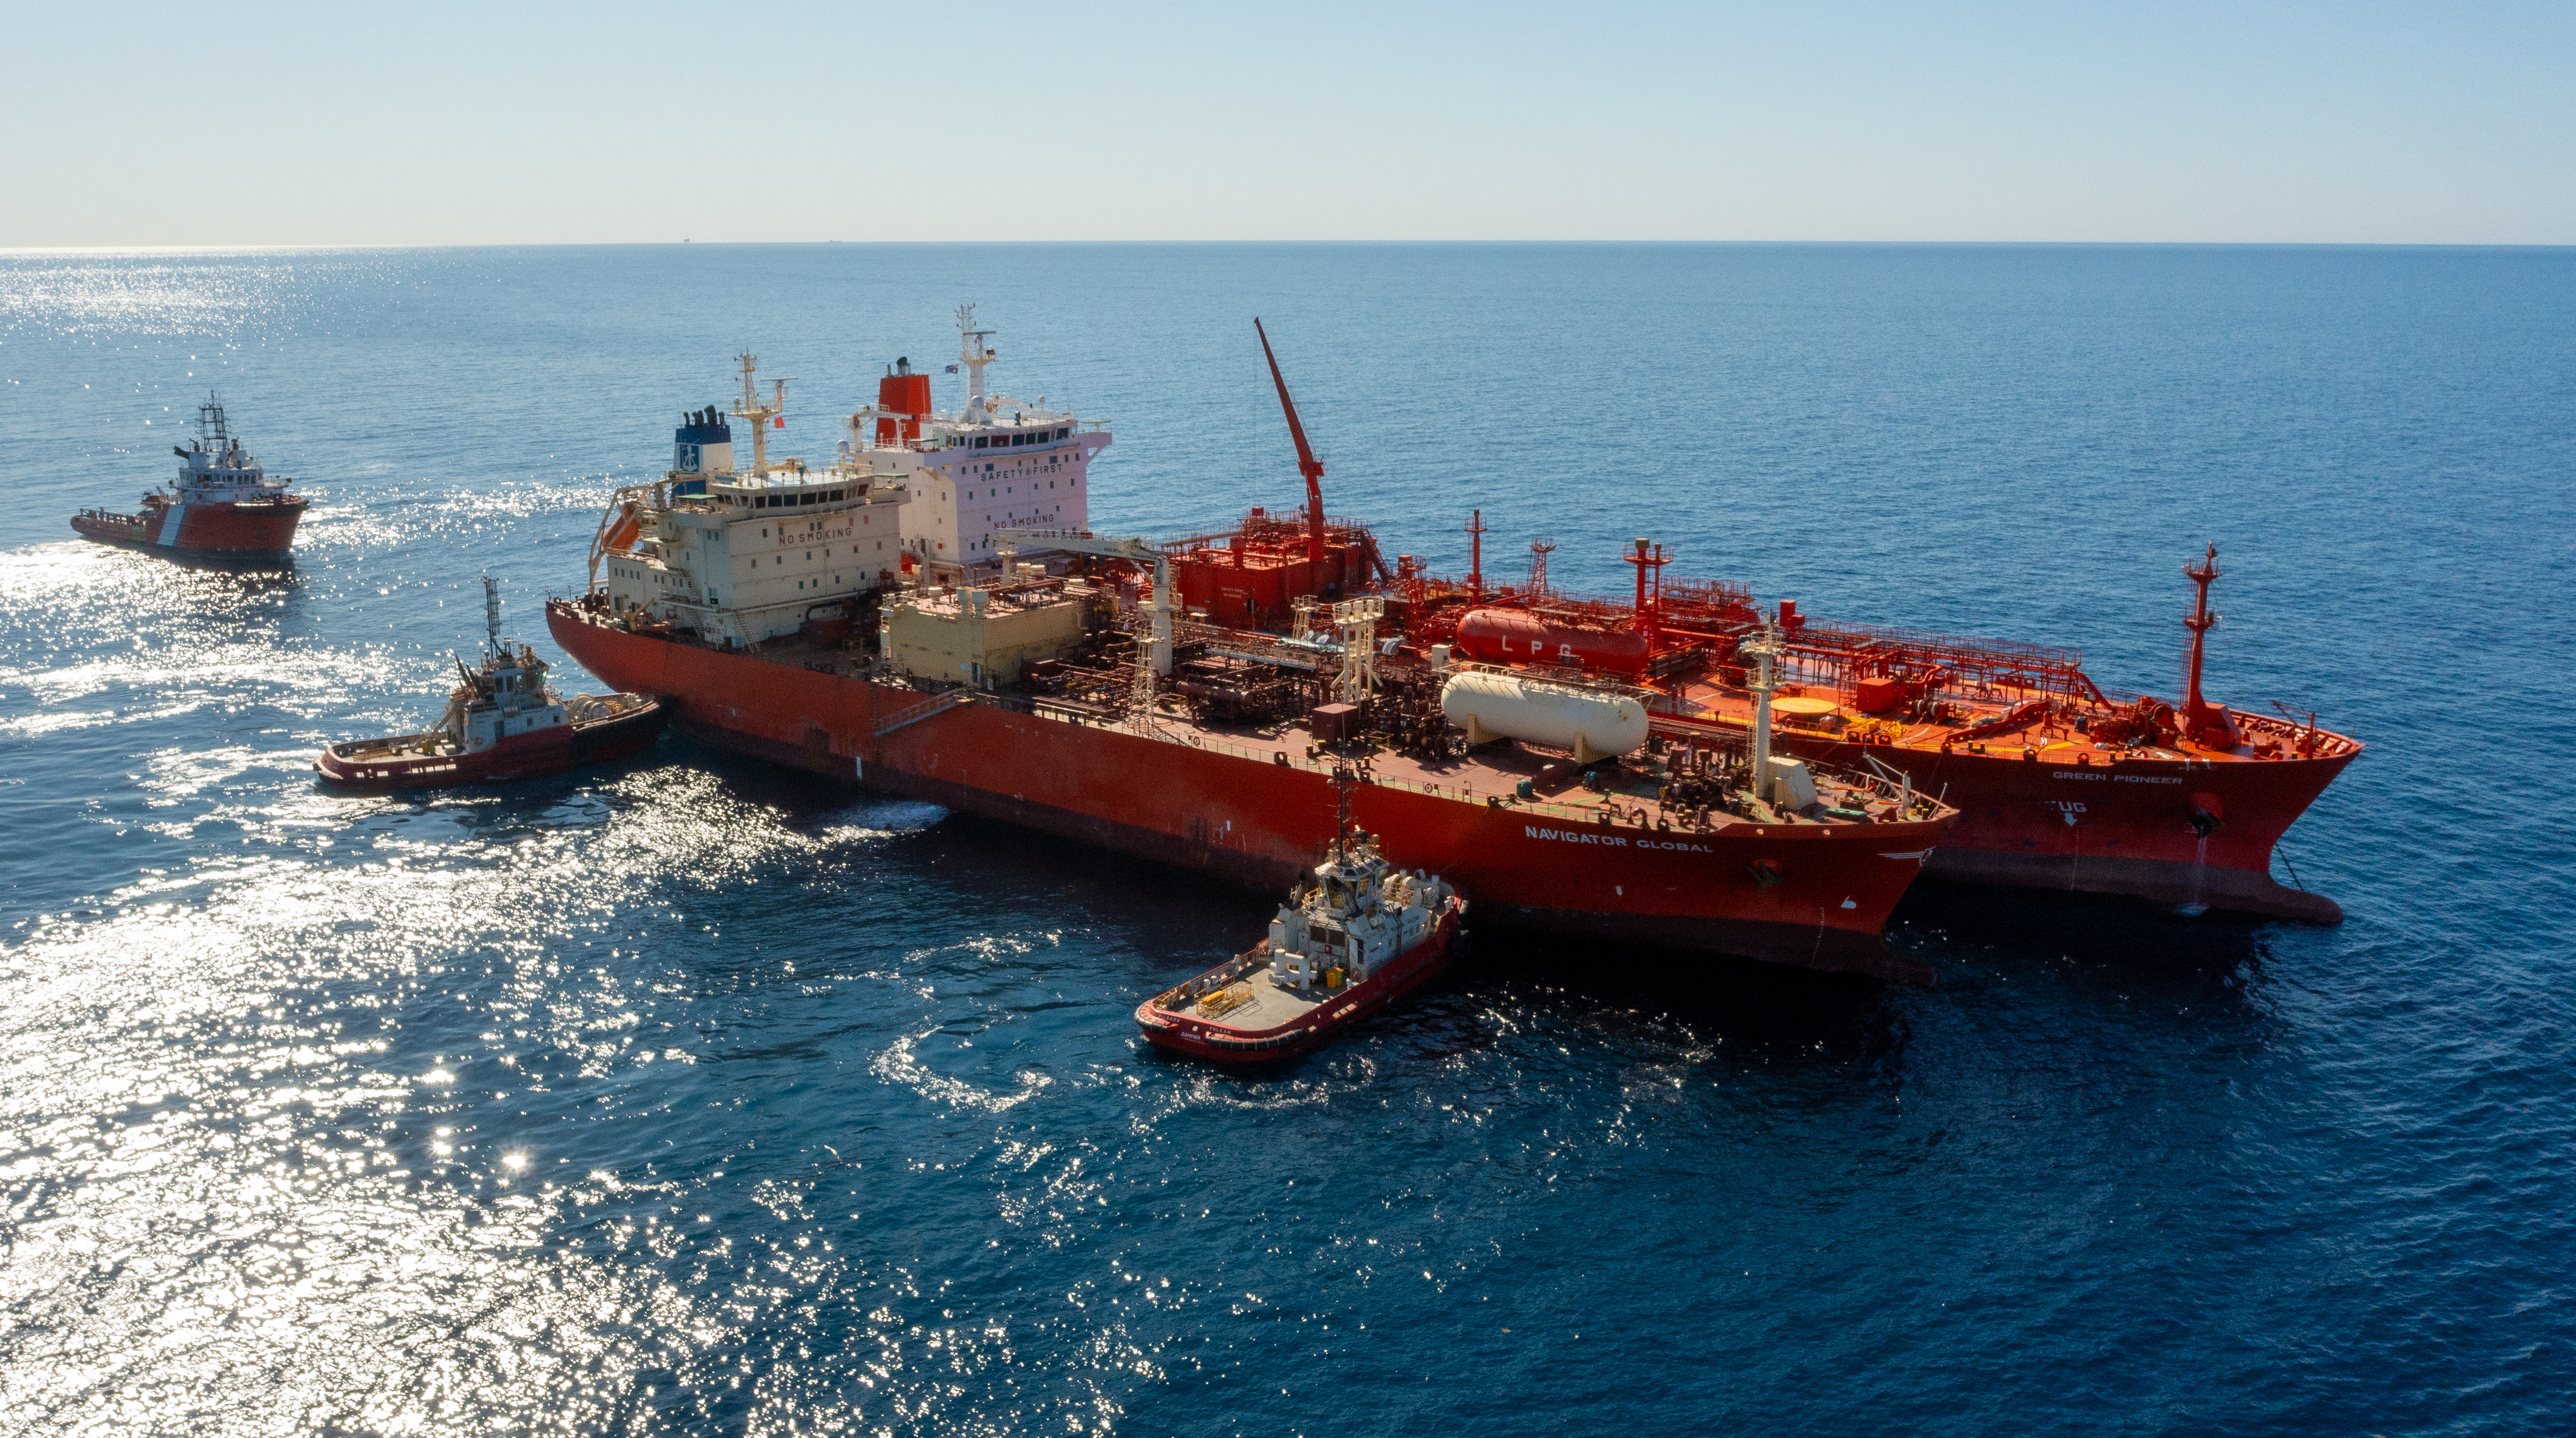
column 759, row 414
column 1307, row 464
column 1476, row 557
column 1343, row 779
column 492, row 613
column 973, row 353
column 2200, row 621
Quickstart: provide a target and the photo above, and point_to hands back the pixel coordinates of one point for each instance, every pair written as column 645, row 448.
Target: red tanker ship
column 1045, row 696
column 1546, row 841
column 223, row 506
column 2059, row 784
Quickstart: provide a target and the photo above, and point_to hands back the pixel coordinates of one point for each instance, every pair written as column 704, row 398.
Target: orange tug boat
column 503, row 722
column 224, row 507
column 1361, row 935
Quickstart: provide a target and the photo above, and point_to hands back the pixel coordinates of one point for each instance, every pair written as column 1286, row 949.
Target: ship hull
column 1811, row 895
column 2136, row 828
column 1184, row 1033
column 2131, row 828
column 232, row 532
column 353, row 768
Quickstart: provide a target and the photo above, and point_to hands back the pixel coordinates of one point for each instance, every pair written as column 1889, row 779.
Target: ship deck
column 2056, row 740
column 428, row 744
column 1269, row 1007
column 1492, row 772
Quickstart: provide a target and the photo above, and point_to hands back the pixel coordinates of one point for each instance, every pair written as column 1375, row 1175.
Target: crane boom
column 1307, row 465
column 1007, row 544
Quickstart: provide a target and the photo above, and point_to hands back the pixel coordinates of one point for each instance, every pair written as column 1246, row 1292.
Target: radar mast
column 973, row 353
column 749, row 407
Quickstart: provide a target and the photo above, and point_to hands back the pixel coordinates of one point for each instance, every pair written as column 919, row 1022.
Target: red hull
column 1217, row 1042
column 530, row 756
column 2112, row 828
column 1810, row 895
column 227, row 531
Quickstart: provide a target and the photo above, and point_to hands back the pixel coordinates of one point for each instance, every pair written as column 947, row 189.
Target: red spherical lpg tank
column 1516, row 636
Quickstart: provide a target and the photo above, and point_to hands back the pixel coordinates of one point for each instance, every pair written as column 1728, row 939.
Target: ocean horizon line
column 331, row 247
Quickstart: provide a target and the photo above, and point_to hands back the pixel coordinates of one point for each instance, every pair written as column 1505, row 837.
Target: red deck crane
column 1307, row 464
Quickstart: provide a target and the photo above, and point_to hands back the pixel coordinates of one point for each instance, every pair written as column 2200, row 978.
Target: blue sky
column 460, row 124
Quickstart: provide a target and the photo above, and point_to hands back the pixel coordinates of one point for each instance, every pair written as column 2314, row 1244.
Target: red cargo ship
column 2059, row 784
column 1360, row 936
column 223, row 507
column 1809, row 883
column 1073, row 703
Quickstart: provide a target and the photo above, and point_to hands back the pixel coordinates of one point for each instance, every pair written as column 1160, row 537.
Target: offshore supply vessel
column 1356, row 936
column 2059, row 784
column 1059, row 686
column 222, row 507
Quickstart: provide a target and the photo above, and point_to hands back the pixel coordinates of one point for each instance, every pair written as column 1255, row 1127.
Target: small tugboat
column 224, row 507
column 1361, row 935
column 502, row 722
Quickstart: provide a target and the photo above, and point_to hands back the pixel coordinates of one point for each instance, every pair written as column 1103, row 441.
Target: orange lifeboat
column 620, row 536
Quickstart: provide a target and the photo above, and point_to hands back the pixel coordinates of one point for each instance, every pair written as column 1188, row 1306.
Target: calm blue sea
column 697, row 1097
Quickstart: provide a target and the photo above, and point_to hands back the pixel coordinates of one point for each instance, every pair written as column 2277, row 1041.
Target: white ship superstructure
column 216, row 469
column 740, row 557
column 994, row 463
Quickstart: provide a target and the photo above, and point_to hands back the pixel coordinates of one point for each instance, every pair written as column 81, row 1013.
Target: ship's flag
column 952, row 369
column 779, row 423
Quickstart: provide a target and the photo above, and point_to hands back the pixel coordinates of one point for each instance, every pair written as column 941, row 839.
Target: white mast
column 1763, row 651
column 973, row 353
column 1357, row 620
column 760, row 415
column 492, row 613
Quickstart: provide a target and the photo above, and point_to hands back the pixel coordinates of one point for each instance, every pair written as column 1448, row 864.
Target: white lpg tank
column 1560, row 716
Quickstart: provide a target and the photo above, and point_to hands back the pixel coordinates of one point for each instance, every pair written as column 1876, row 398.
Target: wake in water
column 877, row 819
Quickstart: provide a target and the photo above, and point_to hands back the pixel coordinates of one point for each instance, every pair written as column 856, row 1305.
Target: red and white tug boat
column 503, row 722
column 223, row 507
column 1361, row 936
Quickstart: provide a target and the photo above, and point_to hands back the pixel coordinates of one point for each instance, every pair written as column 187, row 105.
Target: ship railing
column 1627, row 810
column 1292, row 756
column 914, row 713
column 1979, row 666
